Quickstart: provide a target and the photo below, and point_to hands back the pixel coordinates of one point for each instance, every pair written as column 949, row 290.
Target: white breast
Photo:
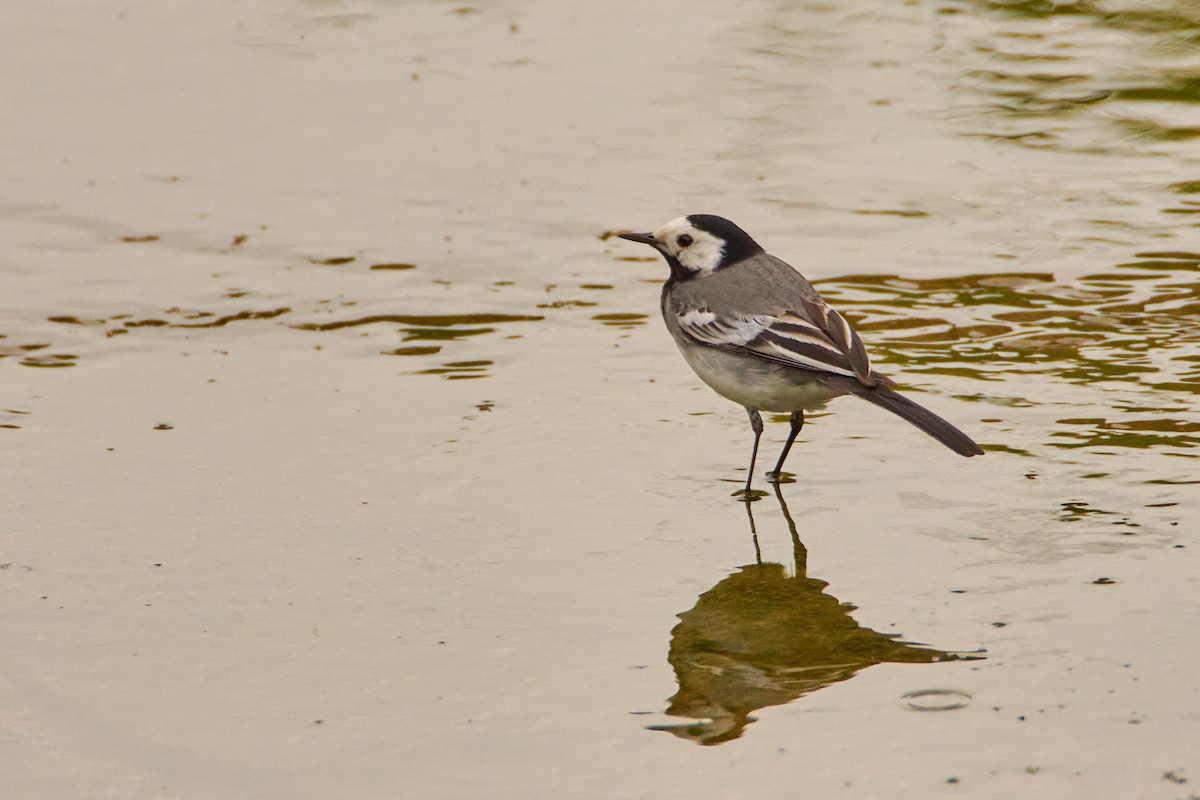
column 758, row 383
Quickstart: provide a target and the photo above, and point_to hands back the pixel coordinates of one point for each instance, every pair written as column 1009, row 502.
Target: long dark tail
column 922, row 417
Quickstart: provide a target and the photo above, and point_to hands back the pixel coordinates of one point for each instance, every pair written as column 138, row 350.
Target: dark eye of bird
column 684, row 240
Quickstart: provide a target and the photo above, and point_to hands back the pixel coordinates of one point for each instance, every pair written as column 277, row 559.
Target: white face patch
column 698, row 251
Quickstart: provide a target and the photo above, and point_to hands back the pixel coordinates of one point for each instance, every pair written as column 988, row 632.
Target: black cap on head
column 738, row 244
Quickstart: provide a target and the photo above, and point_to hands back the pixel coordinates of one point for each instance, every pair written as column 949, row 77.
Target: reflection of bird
column 759, row 334
column 761, row 638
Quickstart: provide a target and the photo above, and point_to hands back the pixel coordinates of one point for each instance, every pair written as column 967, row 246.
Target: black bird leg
column 756, row 424
column 797, row 424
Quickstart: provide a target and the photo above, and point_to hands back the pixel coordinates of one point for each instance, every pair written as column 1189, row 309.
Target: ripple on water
column 1127, row 331
column 1113, row 326
column 460, row 370
column 621, row 320
column 31, row 355
column 442, row 328
column 1084, row 76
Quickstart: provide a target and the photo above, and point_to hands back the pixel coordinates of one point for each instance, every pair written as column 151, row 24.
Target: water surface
column 344, row 453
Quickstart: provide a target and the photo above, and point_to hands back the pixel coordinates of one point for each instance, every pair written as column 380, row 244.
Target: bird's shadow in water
column 762, row 637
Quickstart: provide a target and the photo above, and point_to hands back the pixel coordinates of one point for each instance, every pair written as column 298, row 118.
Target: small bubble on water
column 936, row 700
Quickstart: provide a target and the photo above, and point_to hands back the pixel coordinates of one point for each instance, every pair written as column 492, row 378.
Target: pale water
column 344, row 454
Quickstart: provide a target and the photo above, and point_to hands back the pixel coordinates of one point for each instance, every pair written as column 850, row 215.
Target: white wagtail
column 759, row 334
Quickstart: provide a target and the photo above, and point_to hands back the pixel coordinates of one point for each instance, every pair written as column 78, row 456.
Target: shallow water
column 344, row 453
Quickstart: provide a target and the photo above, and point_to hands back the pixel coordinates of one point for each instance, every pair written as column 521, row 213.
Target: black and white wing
column 813, row 337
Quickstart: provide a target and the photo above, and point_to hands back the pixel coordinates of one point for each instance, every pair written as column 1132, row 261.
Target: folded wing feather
column 812, row 337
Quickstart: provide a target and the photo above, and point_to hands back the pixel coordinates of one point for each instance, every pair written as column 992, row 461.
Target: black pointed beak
column 643, row 238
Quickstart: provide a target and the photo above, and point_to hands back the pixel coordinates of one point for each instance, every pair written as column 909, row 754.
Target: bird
column 758, row 333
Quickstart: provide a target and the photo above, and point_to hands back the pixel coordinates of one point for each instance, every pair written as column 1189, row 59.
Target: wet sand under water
column 345, row 455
